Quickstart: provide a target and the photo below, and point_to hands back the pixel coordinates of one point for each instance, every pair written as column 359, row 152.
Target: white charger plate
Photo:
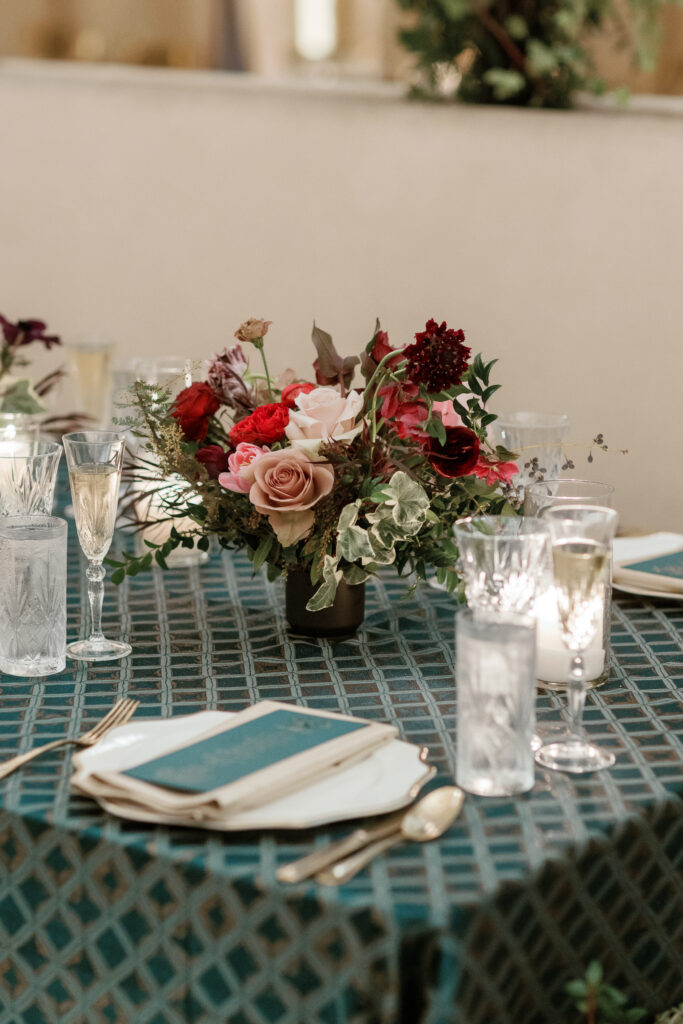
column 386, row 780
column 634, row 549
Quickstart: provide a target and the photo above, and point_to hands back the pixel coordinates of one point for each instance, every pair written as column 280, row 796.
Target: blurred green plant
column 599, row 1002
column 522, row 52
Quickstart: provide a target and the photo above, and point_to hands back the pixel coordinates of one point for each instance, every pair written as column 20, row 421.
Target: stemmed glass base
column 573, row 755
column 100, row 650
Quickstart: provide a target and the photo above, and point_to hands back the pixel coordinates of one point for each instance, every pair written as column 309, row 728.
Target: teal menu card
column 235, row 753
column 664, row 565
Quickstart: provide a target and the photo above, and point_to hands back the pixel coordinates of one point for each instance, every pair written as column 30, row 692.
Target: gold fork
column 122, row 711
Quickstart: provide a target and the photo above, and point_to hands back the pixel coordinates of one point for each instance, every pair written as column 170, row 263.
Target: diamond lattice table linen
column 106, row 920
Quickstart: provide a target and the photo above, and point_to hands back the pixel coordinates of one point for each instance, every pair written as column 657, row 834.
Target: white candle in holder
column 553, row 659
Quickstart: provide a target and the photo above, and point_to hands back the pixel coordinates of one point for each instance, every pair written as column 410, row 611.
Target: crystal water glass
column 581, row 539
column 496, row 694
column 28, row 474
column 537, row 437
column 502, row 559
column 94, row 458
column 32, row 595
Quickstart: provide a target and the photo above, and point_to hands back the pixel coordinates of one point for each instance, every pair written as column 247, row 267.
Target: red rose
column 292, row 391
column 458, row 456
column 193, row 407
column 265, row 425
column 214, row 458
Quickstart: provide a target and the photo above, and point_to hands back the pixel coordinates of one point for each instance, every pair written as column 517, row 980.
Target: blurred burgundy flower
column 381, row 348
column 24, row 332
column 214, row 458
column 192, row 409
column 437, row 358
column 458, row 456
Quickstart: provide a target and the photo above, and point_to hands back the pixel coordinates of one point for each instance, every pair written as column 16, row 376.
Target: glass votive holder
column 150, row 509
column 553, row 659
column 566, row 491
column 33, row 595
column 501, row 559
column 28, row 474
column 537, row 437
column 496, row 709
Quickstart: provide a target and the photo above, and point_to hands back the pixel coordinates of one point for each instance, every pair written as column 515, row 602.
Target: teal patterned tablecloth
column 107, row 921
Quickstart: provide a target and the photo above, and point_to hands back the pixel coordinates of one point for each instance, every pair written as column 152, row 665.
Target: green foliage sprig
column 522, row 52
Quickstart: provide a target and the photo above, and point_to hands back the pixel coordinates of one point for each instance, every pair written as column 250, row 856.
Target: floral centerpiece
column 321, row 477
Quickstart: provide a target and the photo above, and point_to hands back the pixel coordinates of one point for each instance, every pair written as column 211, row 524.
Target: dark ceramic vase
column 340, row 620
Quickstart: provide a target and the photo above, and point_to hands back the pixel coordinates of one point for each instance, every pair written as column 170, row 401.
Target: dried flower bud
column 252, row 330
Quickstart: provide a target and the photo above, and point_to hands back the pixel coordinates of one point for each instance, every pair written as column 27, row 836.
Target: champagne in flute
column 95, row 493
column 579, row 574
column 94, row 458
column 581, row 535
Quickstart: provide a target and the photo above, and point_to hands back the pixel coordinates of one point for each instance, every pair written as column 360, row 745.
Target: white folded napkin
column 653, row 562
column 253, row 758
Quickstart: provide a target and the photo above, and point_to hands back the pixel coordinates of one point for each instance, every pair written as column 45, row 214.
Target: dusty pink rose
column 449, row 416
column 322, row 414
column 243, row 456
column 285, row 486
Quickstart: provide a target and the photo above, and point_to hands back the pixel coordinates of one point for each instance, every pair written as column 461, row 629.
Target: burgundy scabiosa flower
column 437, row 358
column 458, row 456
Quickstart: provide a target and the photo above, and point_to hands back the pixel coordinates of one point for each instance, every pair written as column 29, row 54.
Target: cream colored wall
column 164, row 207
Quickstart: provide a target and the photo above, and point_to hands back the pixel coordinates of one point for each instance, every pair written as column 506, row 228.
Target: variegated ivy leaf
column 353, row 575
column 354, row 544
column 325, row 594
column 407, row 499
column 348, row 516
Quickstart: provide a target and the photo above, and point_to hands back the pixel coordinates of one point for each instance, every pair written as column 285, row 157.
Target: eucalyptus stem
column 258, row 342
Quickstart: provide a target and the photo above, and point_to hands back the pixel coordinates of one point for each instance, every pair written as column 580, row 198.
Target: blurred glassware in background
column 496, row 701
column 33, row 595
column 28, row 474
column 91, row 359
column 538, row 438
column 19, row 426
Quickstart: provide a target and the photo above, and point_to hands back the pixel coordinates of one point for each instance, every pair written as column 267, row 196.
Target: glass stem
column 95, row 574
column 576, row 695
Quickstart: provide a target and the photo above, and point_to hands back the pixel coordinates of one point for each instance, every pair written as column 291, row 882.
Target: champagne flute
column 581, row 537
column 94, row 458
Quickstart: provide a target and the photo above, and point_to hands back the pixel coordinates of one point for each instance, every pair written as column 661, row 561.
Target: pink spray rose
column 285, row 486
column 243, row 455
column 449, row 416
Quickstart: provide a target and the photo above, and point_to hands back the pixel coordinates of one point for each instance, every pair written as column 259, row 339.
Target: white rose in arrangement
column 323, row 415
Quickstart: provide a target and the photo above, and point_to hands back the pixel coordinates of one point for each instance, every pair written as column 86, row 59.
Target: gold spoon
column 427, row 819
